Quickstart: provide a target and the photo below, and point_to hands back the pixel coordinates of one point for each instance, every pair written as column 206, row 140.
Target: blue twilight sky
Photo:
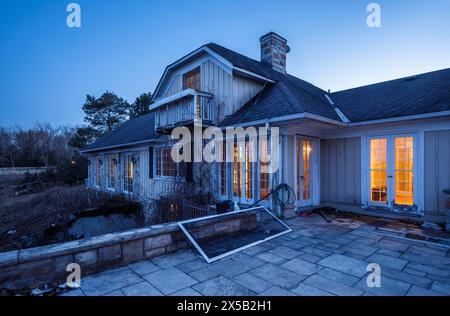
column 46, row 68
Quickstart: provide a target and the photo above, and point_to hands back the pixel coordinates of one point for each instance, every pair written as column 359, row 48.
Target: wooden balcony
column 183, row 109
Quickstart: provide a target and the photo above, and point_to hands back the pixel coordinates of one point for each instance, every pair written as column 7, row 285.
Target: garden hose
column 282, row 196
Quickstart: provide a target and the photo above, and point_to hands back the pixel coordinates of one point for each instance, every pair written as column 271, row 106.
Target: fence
column 174, row 209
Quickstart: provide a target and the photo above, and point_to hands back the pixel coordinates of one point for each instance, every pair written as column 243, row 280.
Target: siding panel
column 437, row 170
column 341, row 170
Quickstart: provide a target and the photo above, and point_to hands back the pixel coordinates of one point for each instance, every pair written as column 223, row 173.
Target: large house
column 382, row 149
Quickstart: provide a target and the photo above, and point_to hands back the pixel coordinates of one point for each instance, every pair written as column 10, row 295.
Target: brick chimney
column 274, row 49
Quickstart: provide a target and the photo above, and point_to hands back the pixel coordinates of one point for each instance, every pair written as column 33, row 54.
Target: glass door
column 128, row 174
column 303, row 166
column 378, row 171
column 404, row 170
column 392, row 171
column 243, row 172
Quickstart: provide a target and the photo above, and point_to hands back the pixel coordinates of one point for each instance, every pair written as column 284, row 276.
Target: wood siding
column 217, row 81
column 340, row 170
column 175, row 86
column 243, row 90
column 437, row 170
column 230, row 92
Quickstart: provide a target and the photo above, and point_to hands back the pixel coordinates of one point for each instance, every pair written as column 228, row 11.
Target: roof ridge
column 393, row 80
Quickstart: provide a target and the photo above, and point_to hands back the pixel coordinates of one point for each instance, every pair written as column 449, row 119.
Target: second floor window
column 191, row 79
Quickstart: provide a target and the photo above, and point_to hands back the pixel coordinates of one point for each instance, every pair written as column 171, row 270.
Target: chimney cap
column 272, row 34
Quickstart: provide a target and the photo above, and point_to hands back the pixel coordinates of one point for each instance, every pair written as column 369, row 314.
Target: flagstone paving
column 317, row 258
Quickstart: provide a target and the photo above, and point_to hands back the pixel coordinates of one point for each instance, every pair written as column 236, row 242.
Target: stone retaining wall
column 35, row 267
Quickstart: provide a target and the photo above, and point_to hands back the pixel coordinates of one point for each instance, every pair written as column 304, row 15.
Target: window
column 191, row 80
column 223, row 174
column 404, row 170
column 165, row 166
column 249, row 170
column 112, row 173
column 378, row 170
column 237, row 167
column 306, row 169
column 128, row 167
column 264, row 176
column 392, row 169
column 243, row 170
column 98, row 172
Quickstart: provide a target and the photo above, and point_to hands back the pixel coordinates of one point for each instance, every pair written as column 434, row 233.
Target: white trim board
column 210, row 260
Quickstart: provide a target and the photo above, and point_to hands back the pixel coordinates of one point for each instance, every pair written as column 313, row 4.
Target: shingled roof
column 420, row 94
column 137, row 130
column 286, row 95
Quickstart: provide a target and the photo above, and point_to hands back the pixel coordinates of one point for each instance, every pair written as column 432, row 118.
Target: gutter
column 291, row 118
column 253, row 74
column 402, row 118
column 338, row 123
column 118, row 146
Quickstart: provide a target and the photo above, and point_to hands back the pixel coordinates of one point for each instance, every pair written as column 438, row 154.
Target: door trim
column 390, row 139
column 313, row 170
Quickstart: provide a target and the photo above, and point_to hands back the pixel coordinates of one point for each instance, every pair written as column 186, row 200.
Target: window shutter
column 150, row 162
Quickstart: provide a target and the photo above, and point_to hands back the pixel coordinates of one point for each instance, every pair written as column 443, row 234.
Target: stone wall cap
column 9, row 258
column 49, row 251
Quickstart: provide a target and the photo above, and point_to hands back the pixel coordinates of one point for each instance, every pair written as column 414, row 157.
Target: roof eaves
column 102, row 148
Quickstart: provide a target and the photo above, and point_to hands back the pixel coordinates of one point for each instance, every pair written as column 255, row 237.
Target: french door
column 244, row 171
column 392, row 170
column 303, row 170
column 128, row 167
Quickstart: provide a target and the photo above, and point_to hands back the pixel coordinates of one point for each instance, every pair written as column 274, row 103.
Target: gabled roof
column 287, row 95
column 134, row 131
column 284, row 94
column 420, row 94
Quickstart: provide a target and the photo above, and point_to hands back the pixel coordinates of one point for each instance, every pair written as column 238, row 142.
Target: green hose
column 282, row 196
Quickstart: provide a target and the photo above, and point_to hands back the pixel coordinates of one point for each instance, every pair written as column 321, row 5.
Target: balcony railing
column 185, row 108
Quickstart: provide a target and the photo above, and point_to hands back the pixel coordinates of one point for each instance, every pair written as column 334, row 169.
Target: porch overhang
column 287, row 118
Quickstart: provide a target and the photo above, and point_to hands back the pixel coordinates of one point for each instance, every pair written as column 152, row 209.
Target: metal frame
column 210, row 260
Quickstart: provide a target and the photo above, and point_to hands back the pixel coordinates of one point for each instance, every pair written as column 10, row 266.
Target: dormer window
column 191, row 79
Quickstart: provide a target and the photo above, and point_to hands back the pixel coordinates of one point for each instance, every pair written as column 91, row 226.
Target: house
column 381, row 149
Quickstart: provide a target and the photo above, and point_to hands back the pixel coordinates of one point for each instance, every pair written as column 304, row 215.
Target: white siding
column 437, row 171
column 243, row 90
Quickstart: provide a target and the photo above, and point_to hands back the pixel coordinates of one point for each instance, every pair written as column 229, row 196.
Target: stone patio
column 317, row 258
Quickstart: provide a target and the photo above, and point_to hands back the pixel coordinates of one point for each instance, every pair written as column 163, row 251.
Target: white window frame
column 127, row 160
column 243, row 198
column 266, row 202
column 155, row 157
column 97, row 173
column 299, row 200
column 226, row 176
column 390, row 138
column 111, row 163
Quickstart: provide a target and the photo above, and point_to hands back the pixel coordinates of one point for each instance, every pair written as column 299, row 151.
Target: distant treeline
column 46, row 146
column 40, row 146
